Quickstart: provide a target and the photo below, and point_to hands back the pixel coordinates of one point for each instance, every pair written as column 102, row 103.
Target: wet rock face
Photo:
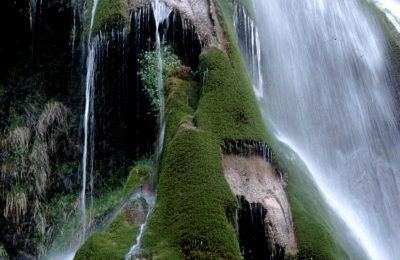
column 265, row 222
column 201, row 13
column 253, row 234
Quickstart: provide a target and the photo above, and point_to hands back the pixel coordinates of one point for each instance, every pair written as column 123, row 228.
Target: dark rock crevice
column 254, row 238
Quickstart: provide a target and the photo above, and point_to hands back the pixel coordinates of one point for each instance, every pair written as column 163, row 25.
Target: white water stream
column 161, row 12
column 88, row 131
column 328, row 95
column 150, row 200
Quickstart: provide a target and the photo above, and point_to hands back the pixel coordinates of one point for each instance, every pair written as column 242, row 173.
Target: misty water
column 328, row 94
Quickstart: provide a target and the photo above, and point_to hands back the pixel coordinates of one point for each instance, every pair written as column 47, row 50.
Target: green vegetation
column 228, row 107
column 65, row 211
column 181, row 102
column 119, row 236
column 108, row 13
column 138, row 175
column 113, row 243
column 195, row 210
column 148, row 71
column 3, row 253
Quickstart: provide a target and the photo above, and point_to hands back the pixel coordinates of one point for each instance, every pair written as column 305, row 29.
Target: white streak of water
column 90, row 67
column 150, row 200
column 161, row 12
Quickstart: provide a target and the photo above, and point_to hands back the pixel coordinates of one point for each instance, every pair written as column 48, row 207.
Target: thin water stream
column 87, row 128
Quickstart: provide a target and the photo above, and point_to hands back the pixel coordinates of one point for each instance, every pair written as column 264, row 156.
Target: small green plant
column 149, row 69
column 3, row 253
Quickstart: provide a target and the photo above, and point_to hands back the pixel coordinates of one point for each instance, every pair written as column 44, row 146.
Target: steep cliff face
column 220, row 190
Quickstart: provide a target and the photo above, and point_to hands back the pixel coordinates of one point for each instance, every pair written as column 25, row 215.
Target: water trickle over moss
column 113, row 243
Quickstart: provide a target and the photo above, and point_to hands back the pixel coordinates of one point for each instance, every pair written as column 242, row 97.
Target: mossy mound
column 194, row 214
column 180, row 104
column 120, row 235
column 108, row 13
column 113, row 243
column 138, row 175
column 228, row 107
column 315, row 235
column 195, row 210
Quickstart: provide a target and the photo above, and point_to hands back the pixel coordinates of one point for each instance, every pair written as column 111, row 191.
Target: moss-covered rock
column 228, row 107
column 195, row 209
column 180, row 104
column 113, row 243
column 120, row 235
column 138, row 175
column 108, row 13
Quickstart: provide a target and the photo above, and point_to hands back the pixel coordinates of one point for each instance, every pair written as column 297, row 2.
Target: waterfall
column 88, row 129
column 328, row 95
column 392, row 10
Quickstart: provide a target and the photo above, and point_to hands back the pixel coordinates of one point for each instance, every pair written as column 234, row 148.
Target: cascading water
column 328, row 95
column 392, row 10
column 88, row 130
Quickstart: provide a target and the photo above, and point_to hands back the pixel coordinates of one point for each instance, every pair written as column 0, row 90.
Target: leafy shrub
column 149, row 69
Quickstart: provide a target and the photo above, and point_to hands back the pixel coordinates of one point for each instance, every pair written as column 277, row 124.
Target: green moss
column 3, row 253
column 63, row 209
column 139, row 174
column 228, row 107
column 113, row 243
column 108, row 12
column 180, row 104
column 195, row 208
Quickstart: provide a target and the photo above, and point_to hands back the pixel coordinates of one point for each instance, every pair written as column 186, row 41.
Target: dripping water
column 249, row 43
